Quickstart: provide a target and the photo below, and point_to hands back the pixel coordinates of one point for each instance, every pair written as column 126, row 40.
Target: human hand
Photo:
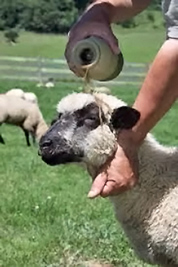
column 120, row 173
column 94, row 22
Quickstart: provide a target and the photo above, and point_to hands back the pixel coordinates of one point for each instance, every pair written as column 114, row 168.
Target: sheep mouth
column 59, row 158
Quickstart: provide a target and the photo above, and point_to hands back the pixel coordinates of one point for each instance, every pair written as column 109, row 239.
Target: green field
column 46, row 218
column 137, row 45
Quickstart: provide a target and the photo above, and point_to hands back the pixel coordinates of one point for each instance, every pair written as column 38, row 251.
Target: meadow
column 137, row 45
column 46, row 219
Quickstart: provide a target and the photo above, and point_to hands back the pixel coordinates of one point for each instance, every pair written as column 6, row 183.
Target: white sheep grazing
column 19, row 112
column 31, row 97
column 16, row 92
column 86, row 131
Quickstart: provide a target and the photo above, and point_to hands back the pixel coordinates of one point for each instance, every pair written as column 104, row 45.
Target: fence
column 40, row 69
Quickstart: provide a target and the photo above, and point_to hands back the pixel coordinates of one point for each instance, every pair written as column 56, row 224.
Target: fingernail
column 92, row 194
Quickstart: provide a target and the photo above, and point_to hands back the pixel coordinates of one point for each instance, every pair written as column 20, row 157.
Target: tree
column 81, row 4
column 40, row 16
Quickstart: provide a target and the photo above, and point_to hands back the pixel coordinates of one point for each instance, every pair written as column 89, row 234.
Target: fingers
column 112, row 188
column 117, row 186
column 98, row 185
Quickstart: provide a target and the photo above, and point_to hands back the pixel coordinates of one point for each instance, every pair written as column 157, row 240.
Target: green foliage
column 53, row 16
column 41, row 16
column 143, row 49
column 128, row 23
column 155, row 5
column 11, row 35
column 81, row 4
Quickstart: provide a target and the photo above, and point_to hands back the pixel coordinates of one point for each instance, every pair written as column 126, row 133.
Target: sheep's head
column 86, row 129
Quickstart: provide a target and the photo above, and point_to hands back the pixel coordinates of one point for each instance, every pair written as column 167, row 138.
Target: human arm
column 117, row 10
column 159, row 91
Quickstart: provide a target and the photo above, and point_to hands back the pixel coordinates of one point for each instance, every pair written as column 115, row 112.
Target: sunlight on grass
column 46, row 218
column 137, row 45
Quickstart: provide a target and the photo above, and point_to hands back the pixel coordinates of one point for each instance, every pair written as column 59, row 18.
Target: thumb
column 98, row 185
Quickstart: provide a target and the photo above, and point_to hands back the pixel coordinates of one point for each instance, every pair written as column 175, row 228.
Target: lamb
column 19, row 112
column 29, row 96
column 85, row 132
column 91, row 88
column 16, row 92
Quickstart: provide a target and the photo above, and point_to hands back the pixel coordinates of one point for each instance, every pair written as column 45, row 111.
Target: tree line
column 45, row 16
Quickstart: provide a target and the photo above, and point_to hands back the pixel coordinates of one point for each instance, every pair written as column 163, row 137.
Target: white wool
column 49, row 85
column 31, row 97
column 102, row 89
column 27, row 115
column 100, row 144
column 28, row 96
column 16, row 92
column 148, row 213
column 72, row 102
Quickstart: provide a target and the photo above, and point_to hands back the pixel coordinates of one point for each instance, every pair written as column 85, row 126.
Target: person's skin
column 157, row 94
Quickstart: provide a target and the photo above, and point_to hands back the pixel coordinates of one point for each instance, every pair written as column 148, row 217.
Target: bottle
column 94, row 56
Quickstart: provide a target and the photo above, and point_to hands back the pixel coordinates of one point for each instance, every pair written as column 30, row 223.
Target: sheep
column 102, row 89
column 50, row 83
column 19, row 112
column 86, row 132
column 16, row 92
column 91, row 88
column 29, row 96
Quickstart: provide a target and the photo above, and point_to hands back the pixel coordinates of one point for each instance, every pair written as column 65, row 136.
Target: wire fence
column 42, row 69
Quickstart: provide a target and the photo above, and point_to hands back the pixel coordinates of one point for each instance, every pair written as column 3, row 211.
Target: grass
column 46, row 218
column 137, row 44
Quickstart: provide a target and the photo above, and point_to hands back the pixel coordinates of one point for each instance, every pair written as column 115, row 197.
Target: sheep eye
column 91, row 122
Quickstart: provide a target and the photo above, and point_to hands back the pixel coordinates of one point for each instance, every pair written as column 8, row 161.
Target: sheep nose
column 46, row 143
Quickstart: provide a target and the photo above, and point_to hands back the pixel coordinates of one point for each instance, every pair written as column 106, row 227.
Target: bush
column 40, row 16
column 128, row 23
column 151, row 17
column 11, row 35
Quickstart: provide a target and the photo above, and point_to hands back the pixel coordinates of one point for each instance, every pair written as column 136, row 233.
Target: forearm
column 159, row 90
column 119, row 10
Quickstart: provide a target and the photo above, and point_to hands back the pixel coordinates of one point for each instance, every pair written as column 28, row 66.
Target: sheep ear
column 124, row 117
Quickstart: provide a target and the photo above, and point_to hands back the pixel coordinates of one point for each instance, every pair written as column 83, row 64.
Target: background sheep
column 29, row 96
column 86, row 132
column 16, row 92
column 19, row 112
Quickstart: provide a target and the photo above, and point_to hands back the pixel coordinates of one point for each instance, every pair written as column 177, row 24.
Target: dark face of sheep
column 84, row 133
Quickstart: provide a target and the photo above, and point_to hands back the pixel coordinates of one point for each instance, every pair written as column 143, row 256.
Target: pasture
column 137, row 44
column 46, row 219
